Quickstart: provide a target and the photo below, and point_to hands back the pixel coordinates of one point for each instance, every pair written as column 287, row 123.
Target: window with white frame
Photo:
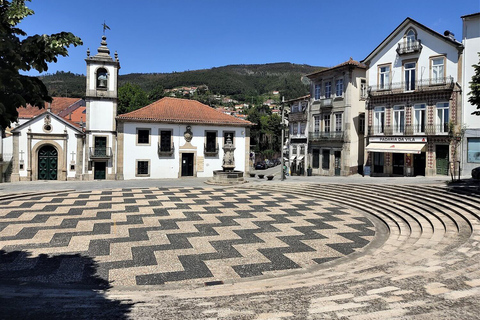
column 363, row 89
column 398, row 119
column 438, row 70
column 328, row 89
column 384, row 77
column 295, row 128
column 339, row 88
column 419, row 118
column 410, row 39
column 442, row 117
column 302, row 150
column 326, row 123
column 338, row 122
column 294, row 149
column 303, row 125
column 410, row 76
column 318, row 90
column 316, row 123
column 379, row 120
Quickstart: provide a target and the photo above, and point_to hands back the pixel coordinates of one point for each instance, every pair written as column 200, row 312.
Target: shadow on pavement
column 468, row 187
column 53, row 287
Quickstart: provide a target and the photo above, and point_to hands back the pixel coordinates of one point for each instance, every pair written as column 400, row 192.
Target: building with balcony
column 298, row 134
column 173, row 138
column 470, row 156
column 413, row 104
column 336, row 119
column 169, row 138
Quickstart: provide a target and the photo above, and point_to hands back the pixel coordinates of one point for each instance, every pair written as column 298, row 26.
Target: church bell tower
column 101, row 111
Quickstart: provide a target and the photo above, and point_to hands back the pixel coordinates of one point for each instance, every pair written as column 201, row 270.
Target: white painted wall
column 471, row 42
column 36, row 127
column 101, row 115
column 169, row 167
column 432, row 46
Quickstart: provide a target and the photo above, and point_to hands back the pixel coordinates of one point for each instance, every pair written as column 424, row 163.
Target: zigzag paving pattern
column 191, row 235
column 426, row 267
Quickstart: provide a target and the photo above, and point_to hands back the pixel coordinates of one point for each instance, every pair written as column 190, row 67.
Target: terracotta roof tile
column 78, row 115
column 182, row 111
column 58, row 105
column 350, row 62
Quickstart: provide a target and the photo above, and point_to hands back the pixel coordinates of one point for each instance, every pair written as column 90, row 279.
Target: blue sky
column 176, row 35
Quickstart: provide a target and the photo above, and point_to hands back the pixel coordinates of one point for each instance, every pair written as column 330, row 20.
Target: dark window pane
column 165, row 141
column 142, row 167
column 143, row 136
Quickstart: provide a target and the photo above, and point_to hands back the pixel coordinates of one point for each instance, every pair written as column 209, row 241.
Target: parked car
column 270, row 163
column 260, row 165
column 476, row 173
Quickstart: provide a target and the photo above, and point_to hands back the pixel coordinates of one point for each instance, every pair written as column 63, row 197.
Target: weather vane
column 105, row 27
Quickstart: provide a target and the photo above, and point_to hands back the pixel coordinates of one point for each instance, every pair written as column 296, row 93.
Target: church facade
column 169, row 138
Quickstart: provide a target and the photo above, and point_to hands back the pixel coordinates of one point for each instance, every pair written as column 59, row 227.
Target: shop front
column 397, row 156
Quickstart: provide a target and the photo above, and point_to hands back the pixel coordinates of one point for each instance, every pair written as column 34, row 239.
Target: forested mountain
column 240, row 82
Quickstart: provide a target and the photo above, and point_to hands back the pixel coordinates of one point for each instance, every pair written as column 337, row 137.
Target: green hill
column 241, row 82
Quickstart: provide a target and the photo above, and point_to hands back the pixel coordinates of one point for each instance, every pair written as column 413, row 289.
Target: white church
column 170, row 138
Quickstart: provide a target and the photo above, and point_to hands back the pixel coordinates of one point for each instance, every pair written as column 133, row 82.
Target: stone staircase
column 428, row 266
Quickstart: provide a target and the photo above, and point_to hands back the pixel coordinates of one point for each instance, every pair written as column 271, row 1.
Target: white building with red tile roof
column 76, row 139
column 172, row 137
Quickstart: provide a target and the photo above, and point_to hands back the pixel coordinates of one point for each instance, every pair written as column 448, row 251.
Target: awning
column 293, row 158
column 396, row 147
column 301, row 158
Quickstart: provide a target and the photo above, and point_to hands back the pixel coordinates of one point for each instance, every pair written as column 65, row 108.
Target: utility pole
column 283, row 137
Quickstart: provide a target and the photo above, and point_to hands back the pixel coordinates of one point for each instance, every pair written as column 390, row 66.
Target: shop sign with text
column 398, row 139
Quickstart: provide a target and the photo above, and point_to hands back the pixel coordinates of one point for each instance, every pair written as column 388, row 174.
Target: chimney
column 449, row 35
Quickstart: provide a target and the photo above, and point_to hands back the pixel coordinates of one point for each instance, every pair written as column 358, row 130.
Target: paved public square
column 304, row 248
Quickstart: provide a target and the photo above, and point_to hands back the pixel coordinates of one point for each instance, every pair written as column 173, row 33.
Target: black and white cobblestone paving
column 156, row 236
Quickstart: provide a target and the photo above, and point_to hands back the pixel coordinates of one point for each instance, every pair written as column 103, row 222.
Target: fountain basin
column 227, row 177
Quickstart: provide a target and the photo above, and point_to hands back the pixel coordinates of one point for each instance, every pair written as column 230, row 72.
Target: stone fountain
column 228, row 175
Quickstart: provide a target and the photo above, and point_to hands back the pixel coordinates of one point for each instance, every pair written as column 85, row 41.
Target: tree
column 33, row 52
column 157, row 93
column 131, row 97
column 475, row 89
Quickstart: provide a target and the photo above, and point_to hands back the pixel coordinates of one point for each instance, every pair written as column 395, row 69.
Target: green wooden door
column 442, row 159
column 338, row 163
column 100, row 146
column 47, row 163
column 100, row 172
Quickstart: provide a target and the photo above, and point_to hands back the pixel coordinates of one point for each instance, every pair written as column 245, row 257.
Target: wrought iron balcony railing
column 100, row 153
column 332, row 135
column 412, row 86
column 210, row 150
column 165, row 150
column 408, row 130
column 409, row 47
column 327, row 102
